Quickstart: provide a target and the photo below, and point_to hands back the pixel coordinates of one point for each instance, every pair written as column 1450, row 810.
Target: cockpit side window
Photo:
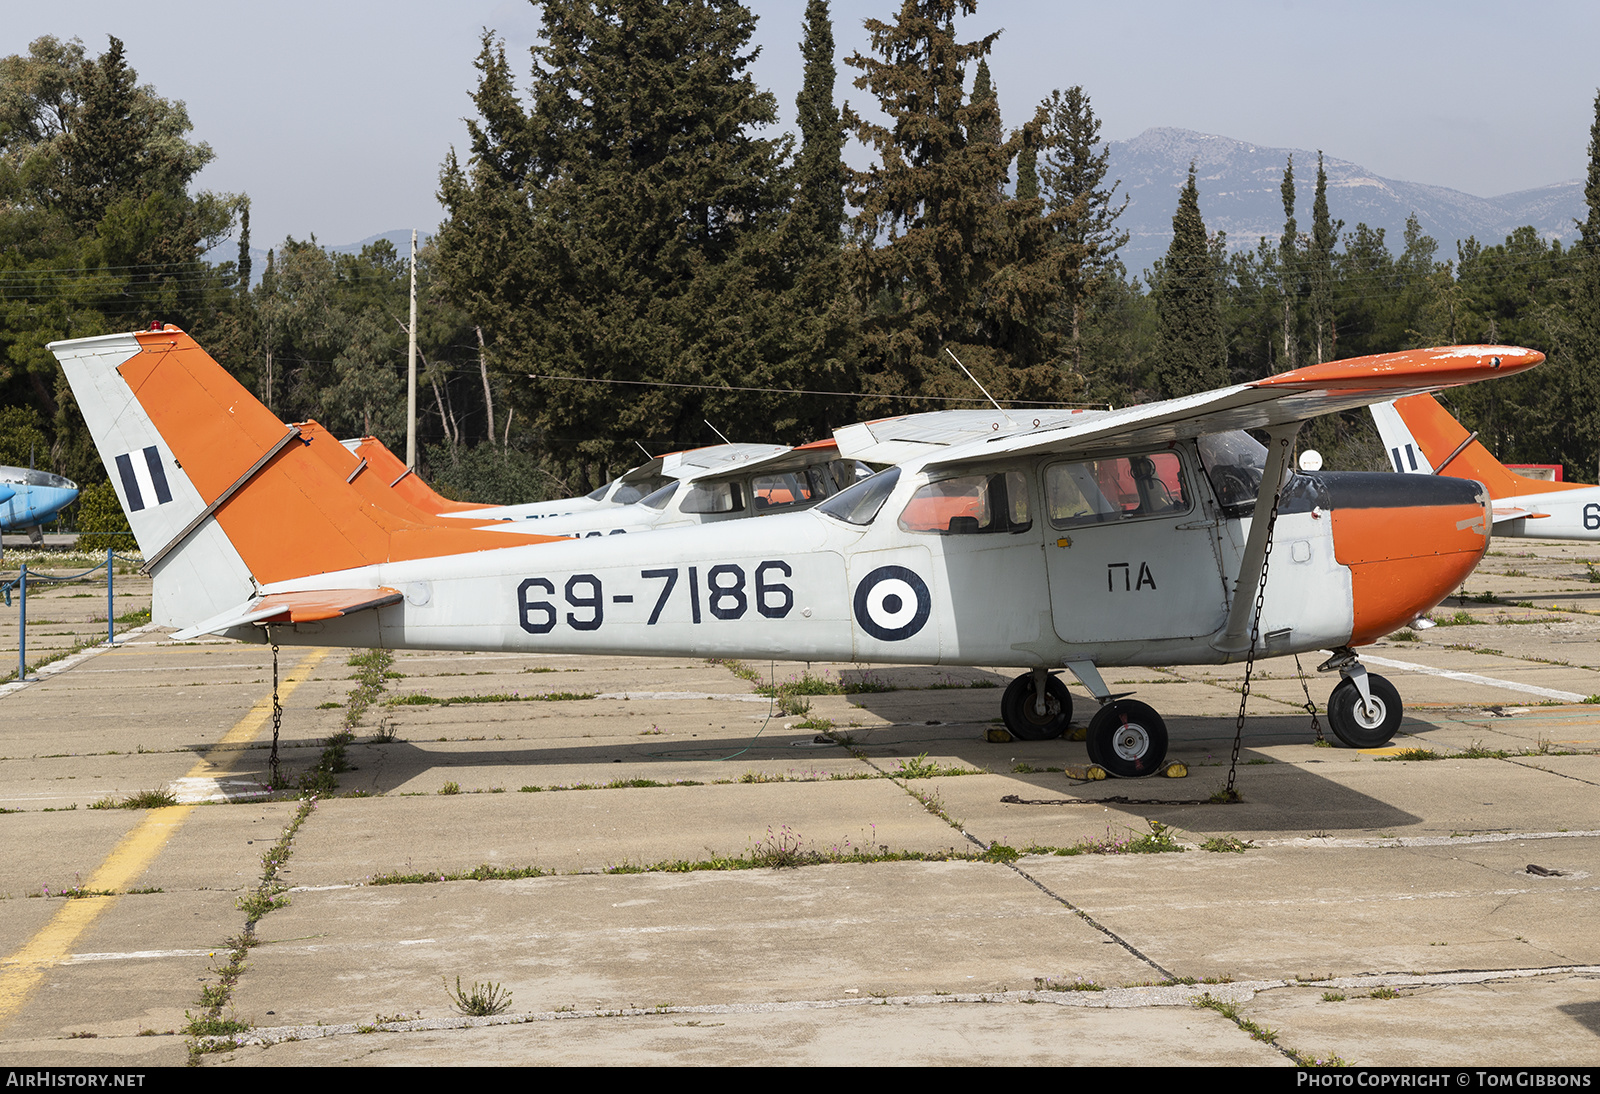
column 714, row 497
column 787, row 489
column 970, row 504
column 1114, row 489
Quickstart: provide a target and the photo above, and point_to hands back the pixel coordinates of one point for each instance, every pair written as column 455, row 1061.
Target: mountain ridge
column 1240, row 181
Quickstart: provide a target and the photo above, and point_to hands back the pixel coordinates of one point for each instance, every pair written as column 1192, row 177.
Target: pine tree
column 1072, row 176
column 1193, row 355
column 622, row 228
column 1319, row 270
column 943, row 263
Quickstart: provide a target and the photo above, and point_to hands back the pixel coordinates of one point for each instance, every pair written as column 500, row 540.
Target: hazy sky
column 334, row 116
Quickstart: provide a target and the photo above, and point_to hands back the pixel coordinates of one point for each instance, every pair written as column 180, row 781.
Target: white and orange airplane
column 1073, row 540
column 1423, row 439
column 699, row 486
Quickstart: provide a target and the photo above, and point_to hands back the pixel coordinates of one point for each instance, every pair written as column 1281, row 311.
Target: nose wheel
column 1369, row 724
column 1127, row 738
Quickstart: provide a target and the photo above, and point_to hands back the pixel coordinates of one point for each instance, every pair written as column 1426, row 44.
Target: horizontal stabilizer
column 301, row 607
column 1506, row 513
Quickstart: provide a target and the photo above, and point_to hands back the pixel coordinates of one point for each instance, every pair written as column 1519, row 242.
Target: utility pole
column 411, row 366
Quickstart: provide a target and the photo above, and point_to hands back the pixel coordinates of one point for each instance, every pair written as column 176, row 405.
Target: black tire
column 1128, row 739
column 1023, row 721
column 1358, row 729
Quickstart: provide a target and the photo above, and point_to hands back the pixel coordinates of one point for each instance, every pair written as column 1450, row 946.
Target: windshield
column 1235, row 463
column 659, row 499
column 638, row 489
column 860, row 503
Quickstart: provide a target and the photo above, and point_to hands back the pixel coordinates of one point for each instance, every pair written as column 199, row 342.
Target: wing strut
column 1236, row 632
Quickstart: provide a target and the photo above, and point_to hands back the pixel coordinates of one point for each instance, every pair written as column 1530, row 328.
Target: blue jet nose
column 29, row 497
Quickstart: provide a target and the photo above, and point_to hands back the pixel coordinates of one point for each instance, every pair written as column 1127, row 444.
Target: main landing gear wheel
column 1365, row 728
column 1018, row 709
column 1128, row 739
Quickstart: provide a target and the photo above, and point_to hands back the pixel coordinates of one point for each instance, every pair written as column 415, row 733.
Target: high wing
column 1277, row 400
column 910, row 436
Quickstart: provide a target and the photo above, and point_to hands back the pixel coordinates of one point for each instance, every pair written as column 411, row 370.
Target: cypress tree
column 819, row 198
column 1289, row 270
column 985, row 127
column 1319, row 270
column 1193, row 355
column 244, row 247
column 1027, row 173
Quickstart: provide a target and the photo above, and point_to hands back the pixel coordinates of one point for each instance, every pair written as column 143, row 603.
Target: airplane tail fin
column 1422, row 438
column 223, row 497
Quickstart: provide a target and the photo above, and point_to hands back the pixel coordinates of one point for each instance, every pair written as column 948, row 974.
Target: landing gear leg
column 1126, row 737
column 1364, row 710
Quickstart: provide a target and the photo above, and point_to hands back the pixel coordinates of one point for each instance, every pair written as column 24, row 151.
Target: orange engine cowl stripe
column 1403, row 561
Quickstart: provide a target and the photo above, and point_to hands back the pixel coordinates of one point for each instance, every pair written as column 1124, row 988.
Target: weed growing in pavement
column 210, row 1031
column 1230, row 1011
column 419, row 700
column 484, row 872
column 1413, row 754
column 372, row 670
column 480, row 1000
column 323, row 779
column 1383, row 993
column 1044, row 983
column 1333, row 997
column 1159, row 840
column 143, row 799
column 1227, row 844
column 450, row 787
column 922, row 768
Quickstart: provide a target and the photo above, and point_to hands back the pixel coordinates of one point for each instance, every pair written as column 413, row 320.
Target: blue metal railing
column 20, row 584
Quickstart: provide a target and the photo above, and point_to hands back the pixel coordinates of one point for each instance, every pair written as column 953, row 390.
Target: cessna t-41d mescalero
column 700, row 486
column 1423, row 439
column 1071, row 540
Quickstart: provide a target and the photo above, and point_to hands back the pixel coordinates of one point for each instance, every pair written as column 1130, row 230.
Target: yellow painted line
column 21, row 973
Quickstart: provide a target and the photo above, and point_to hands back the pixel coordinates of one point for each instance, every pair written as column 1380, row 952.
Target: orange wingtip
column 1442, row 366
